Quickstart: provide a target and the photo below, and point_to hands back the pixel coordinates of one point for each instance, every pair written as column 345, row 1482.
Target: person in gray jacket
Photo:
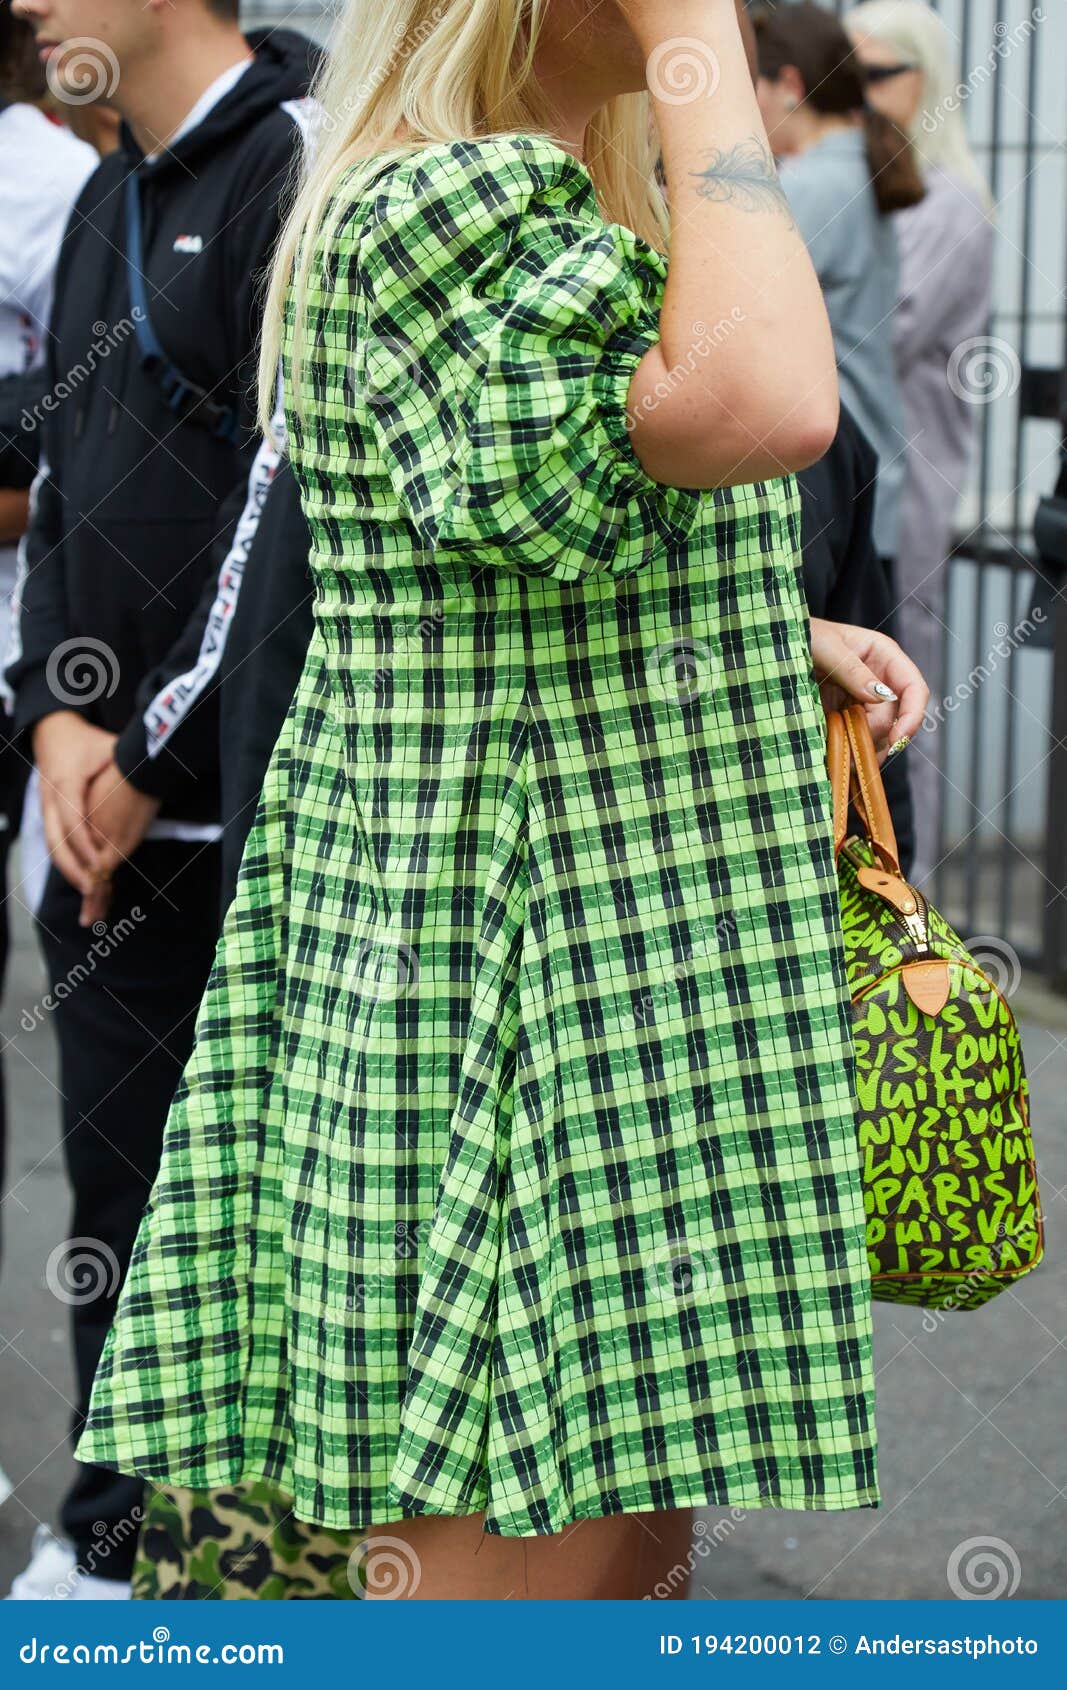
column 944, row 357
column 844, row 169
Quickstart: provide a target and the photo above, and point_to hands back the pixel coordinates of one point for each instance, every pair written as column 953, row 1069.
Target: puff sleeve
column 497, row 325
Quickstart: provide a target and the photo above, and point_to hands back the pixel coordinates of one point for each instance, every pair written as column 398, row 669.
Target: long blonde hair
column 939, row 133
column 401, row 75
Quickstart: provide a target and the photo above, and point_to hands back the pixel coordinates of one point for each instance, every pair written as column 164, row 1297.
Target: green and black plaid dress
column 515, row 1166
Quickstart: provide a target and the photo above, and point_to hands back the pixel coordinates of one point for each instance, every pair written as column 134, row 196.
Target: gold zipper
column 917, row 928
column 915, row 920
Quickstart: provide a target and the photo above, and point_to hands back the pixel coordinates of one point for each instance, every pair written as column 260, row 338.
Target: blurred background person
column 845, row 168
column 945, row 292
column 42, row 169
column 133, row 517
column 845, row 579
column 40, row 206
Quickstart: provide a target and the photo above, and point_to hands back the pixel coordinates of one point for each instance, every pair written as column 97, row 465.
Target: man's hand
column 119, row 817
column 69, row 753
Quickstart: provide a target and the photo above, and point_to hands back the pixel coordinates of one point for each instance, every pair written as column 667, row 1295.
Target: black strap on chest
column 186, row 398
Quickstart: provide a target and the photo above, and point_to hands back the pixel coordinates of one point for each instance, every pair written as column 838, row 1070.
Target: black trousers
column 124, row 1003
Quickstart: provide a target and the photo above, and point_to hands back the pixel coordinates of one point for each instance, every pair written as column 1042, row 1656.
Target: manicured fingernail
column 880, row 690
column 895, row 750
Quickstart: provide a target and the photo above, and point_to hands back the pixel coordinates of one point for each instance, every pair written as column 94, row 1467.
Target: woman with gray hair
column 946, row 276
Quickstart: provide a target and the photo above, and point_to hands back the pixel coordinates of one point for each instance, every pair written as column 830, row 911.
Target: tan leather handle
column 854, row 773
column 872, row 802
column 839, row 763
column 845, row 789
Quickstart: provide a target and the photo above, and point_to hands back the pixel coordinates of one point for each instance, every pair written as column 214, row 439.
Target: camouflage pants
column 239, row 1545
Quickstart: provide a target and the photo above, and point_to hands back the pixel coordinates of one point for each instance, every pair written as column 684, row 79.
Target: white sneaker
column 53, row 1575
column 89, row 1588
column 50, row 1574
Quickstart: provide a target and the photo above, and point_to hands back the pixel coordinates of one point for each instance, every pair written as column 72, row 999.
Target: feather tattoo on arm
column 744, row 175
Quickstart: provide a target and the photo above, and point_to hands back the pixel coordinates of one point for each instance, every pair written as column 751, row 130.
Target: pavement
column 971, row 1407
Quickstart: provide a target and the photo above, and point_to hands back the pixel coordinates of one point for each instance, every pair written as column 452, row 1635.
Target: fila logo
column 189, row 243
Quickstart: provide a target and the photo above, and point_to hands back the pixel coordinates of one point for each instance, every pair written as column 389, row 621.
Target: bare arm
column 743, row 383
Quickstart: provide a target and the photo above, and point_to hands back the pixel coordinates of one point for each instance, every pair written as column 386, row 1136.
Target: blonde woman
column 945, row 292
column 510, row 1205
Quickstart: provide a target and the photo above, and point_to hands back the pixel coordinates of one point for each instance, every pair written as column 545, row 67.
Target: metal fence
column 1003, row 854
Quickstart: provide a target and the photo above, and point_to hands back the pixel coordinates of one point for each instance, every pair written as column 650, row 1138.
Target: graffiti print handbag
column 950, row 1187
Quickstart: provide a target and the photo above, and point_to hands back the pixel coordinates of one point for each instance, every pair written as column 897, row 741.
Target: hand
column 119, row 816
column 69, row 753
column 850, row 663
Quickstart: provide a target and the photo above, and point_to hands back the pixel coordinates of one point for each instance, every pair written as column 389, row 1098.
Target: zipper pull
column 895, row 891
column 914, row 918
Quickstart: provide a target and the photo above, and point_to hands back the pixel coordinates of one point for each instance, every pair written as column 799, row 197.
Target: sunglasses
column 883, row 73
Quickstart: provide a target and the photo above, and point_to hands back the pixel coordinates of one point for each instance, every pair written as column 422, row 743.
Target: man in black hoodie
column 152, row 479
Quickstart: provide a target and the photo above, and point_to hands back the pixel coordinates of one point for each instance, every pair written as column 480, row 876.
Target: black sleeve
column 857, row 588
column 39, row 621
column 869, row 597
column 265, row 655
column 845, row 579
column 172, row 741
column 818, row 533
column 837, row 496
column 22, row 398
